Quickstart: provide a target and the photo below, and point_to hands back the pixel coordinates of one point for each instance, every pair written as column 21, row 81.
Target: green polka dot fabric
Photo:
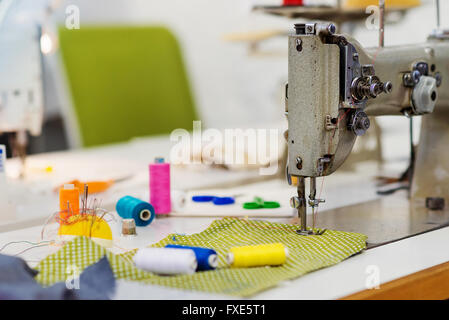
column 306, row 254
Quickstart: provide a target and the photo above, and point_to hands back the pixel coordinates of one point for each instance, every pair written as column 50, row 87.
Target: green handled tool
column 259, row 203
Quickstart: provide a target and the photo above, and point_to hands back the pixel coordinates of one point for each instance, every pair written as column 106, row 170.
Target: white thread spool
column 166, row 260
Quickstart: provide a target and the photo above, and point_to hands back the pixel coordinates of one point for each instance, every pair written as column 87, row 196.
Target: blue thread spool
column 207, row 258
column 132, row 208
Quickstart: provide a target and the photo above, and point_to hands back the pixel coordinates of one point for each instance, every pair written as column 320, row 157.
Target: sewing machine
column 334, row 84
column 24, row 40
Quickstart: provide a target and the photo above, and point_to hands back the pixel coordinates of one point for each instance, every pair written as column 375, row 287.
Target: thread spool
column 129, row 227
column 132, row 208
column 206, row 258
column 273, row 254
column 160, row 186
column 69, row 201
column 293, row 2
column 166, row 261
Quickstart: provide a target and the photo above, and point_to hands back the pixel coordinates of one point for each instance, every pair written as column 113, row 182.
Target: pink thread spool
column 160, row 186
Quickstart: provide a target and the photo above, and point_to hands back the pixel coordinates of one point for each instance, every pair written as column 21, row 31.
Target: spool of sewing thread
column 129, row 227
column 132, row 208
column 293, row 2
column 260, row 255
column 160, row 186
column 207, row 258
column 69, row 201
column 167, row 261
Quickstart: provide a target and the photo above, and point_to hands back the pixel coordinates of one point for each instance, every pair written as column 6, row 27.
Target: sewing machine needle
column 312, row 198
column 302, row 208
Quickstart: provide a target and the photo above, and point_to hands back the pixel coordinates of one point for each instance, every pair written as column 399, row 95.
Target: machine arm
column 334, row 84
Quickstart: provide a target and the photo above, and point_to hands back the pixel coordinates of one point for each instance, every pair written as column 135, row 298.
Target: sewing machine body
column 335, row 84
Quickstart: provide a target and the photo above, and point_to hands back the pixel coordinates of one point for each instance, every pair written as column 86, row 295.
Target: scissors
column 218, row 201
column 259, row 203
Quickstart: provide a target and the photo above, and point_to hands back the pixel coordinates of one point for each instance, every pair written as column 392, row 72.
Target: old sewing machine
column 333, row 86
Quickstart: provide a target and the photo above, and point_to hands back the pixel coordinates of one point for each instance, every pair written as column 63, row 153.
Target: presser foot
column 304, row 232
column 320, row 232
column 311, row 232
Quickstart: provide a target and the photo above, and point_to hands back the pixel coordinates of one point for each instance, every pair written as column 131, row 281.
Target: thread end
column 213, row 261
column 230, row 258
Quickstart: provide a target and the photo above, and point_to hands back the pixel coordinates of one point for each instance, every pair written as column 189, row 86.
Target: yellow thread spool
column 273, row 254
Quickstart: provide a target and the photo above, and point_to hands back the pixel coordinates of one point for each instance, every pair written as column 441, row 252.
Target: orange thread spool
column 69, row 201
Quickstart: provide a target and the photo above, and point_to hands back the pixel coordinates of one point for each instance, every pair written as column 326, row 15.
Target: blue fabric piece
column 96, row 282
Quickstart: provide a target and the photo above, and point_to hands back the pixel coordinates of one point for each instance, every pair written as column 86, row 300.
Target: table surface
column 24, row 221
column 126, row 160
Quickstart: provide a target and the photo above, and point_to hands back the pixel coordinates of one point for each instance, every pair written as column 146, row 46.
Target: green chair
column 125, row 82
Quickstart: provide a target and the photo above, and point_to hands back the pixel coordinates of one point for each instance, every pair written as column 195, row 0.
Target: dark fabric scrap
column 96, row 282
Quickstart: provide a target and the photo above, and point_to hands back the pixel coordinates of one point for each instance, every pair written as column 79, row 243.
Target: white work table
column 393, row 260
column 33, row 198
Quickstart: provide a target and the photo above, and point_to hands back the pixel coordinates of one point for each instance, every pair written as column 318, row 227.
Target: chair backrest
column 125, row 82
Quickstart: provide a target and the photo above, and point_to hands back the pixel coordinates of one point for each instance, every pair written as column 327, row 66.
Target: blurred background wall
column 231, row 88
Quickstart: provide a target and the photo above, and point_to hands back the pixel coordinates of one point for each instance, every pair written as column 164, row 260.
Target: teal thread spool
column 132, row 208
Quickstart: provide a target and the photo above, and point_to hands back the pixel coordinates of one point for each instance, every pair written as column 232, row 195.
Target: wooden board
column 428, row 284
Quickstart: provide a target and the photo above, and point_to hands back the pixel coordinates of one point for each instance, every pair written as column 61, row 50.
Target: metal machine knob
column 295, row 202
column 424, row 96
column 435, row 203
column 388, row 87
column 359, row 123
